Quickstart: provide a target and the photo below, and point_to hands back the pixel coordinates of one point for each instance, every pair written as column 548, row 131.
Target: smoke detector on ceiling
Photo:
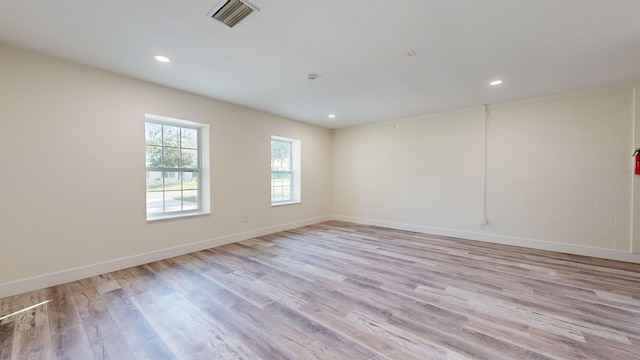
column 231, row 12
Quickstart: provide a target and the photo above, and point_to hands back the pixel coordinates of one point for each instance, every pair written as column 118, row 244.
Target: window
column 285, row 171
column 177, row 167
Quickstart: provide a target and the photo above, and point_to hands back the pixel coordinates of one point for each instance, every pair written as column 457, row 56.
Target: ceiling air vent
column 231, row 12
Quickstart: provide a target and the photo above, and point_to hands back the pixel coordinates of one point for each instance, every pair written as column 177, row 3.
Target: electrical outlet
column 483, row 221
column 245, row 218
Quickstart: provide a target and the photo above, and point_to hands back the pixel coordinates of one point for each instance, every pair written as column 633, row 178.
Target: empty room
column 323, row 179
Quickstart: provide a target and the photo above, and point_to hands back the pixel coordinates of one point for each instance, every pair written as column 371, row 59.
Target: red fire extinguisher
column 637, row 155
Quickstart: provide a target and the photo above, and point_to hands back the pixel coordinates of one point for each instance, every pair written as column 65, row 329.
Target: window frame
column 294, row 171
column 202, row 169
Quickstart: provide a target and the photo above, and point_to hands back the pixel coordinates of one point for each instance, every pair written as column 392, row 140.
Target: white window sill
column 176, row 216
column 285, row 203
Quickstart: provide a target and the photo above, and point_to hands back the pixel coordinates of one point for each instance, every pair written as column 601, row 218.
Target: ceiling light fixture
column 163, row 59
column 495, row 82
column 331, row 116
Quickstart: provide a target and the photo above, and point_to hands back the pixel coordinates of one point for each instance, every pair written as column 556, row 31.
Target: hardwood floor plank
column 32, row 343
column 105, row 283
column 109, row 347
column 86, row 298
column 134, row 280
column 68, row 338
column 544, row 343
column 181, row 325
column 138, row 334
column 235, row 336
column 337, row 290
column 6, row 340
column 327, row 343
column 385, row 296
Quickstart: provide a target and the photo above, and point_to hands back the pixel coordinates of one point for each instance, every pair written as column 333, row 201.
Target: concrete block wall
column 559, row 170
column 552, row 173
column 423, row 171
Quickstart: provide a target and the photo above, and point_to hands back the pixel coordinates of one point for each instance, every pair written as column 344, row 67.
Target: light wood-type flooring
column 339, row 291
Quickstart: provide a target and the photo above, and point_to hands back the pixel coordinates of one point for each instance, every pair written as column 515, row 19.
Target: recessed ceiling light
column 495, row 82
column 331, row 116
column 163, row 59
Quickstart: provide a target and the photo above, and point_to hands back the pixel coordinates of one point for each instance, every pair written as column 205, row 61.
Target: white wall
column 427, row 171
column 557, row 173
column 72, row 180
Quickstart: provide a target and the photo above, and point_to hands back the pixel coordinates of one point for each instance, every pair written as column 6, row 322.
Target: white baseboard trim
column 61, row 277
column 500, row 239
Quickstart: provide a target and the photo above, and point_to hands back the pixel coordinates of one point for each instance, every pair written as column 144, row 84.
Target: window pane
column 172, row 201
column 154, row 156
column 171, row 136
column 190, row 200
column 280, row 156
column 189, row 158
column 189, row 138
column 154, row 202
column 171, row 157
column 172, row 180
column 154, row 180
column 280, row 186
column 153, row 133
column 189, row 180
column 168, row 147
